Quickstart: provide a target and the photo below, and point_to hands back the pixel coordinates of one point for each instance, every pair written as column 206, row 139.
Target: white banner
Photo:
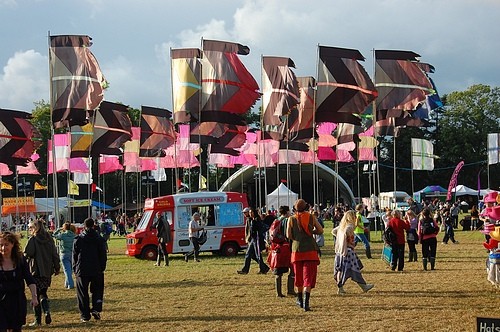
column 422, row 154
column 493, row 149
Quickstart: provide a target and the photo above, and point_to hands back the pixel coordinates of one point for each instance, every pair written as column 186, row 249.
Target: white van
column 394, row 200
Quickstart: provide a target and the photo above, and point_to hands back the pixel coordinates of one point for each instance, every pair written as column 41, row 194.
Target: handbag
column 411, row 236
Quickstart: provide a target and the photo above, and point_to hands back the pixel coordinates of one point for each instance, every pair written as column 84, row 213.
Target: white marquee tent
column 462, row 190
column 281, row 196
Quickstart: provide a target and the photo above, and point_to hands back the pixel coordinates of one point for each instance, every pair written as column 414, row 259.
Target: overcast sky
column 132, row 39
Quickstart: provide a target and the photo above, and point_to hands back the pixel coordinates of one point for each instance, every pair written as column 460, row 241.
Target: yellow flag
column 73, row 188
column 38, row 186
column 202, row 182
column 6, row 186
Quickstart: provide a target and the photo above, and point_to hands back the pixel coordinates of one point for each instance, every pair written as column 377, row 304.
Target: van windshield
column 143, row 223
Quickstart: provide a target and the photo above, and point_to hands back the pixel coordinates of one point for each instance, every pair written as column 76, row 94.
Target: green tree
column 463, row 129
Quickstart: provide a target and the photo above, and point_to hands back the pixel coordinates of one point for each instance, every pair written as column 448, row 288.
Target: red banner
column 453, row 180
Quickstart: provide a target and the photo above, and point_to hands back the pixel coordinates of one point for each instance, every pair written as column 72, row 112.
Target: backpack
column 428, row 227
column 275, row 234
column 389, row 236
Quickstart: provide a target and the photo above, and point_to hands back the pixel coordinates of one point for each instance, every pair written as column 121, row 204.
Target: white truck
column 394, row 200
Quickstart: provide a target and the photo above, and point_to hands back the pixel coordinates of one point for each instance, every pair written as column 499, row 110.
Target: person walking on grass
column 399, row 226
column 44, row 262
column 254, row 237
column 412, row 235
column 449, row 234
column 359, row 231
column 279, row 249
column 163, row 234
column 14, row 272
column 305, row 260
column 194, row 235
column 89, row 264
column 428, row 229
column 65, row 237
column 347, row 263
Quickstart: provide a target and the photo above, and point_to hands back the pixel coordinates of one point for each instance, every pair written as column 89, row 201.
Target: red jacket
column 399, row 226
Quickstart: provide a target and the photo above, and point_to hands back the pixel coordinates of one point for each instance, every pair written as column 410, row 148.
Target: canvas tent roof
column 433, row 189
column 462, row 190
column 281, row 196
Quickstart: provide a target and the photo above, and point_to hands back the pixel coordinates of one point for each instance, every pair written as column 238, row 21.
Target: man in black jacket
column 89, row 263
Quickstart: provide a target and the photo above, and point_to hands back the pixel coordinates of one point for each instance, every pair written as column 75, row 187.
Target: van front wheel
column 229, row 249
column 149, row 253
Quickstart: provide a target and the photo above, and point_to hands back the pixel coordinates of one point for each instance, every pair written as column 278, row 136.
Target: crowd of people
column 83, row 255
column 292, row 238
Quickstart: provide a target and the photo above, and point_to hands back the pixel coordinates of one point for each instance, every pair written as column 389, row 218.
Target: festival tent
column 430, row 192
column 462, row 190
column 281, row 196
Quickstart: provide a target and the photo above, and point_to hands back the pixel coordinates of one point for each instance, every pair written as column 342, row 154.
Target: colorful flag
column 453, row 180
column 186, row 84
column 4, row 170
column 157, row 131
column 227, row 86
column 422, row 154
column 16, row 134
column 73, row 188
column 6, row 186
column 343, row 85
column 62, row 153
column 77, row 83
column 300, row 120
column 280, row 94
column 39, row 186
column 112, row 128
column 109, row 164
column 30, row 168
column 400, row 81
column 202, row 182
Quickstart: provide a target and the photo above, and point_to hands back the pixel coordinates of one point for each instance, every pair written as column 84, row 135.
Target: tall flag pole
column 76, row 87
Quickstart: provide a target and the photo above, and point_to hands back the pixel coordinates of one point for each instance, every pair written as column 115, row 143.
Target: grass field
column 210, row 296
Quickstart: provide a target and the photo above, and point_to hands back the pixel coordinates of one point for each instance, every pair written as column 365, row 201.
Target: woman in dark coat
column 14, row 272
column 43, row 261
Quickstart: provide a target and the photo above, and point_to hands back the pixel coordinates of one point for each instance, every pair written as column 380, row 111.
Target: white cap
column 247, row 209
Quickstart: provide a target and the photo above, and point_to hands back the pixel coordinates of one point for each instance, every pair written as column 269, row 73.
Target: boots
column 289, row 285
column 341, row 291
column 415, row 256
column 366, row 287
column 38, row 316
column 166, row 260
column 368, row 253
column 158, row 260
column 410, row 256
column 300, row 300
column 277, row 282
column 433, row 261
column 306, row 301
column 46, row 310
column 424, row 263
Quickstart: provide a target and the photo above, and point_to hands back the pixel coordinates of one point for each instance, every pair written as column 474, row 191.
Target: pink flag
column 78, row 165
column 62, row 152
column 453, row 180
column 326, row 153
column 344, row 156
column 4, row 170
column 28, row 169
column 109, row 164
column 148, row 164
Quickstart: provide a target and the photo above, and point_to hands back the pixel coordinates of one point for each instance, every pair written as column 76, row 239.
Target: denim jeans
column 362, row 238
column 66, row 261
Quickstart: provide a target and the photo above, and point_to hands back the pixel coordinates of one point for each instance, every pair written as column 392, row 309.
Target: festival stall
column 281, row 196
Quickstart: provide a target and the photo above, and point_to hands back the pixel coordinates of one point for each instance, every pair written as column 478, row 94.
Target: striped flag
column 493, row 149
